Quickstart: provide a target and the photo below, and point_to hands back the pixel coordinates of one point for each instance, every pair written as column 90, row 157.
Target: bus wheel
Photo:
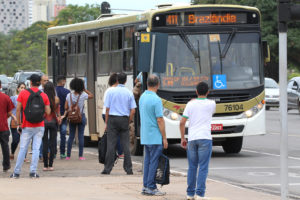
column 233, row 145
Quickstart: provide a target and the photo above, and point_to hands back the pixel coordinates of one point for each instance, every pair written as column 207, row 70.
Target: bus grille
column 219, row 98
column 226, row 130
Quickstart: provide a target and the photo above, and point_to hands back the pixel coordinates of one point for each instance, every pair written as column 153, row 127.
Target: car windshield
column 193, row 58
column 270, row 83
column 24, row 76
column 3, row 79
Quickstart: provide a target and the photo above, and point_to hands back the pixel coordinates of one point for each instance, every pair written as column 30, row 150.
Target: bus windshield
column 197, row 57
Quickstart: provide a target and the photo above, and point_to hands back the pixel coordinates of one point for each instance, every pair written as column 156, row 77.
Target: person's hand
column 105, row 127
column 165, row 142
column 62, row 117
column 59, row 120
column 14, row 118
column 19, row 129
column 183, row 143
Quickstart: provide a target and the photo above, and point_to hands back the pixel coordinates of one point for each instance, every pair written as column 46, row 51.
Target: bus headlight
column 253, row 111
column 171, row 115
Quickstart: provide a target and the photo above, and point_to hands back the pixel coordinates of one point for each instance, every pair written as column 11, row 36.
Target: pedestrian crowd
column 38, row 112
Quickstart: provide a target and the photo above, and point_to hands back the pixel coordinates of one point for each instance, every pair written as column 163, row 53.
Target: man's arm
column 182, row 132
column 131, row 115
column 161, row 125
column 47, row 110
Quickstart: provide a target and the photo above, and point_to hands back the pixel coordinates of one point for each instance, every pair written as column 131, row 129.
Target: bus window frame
column 78, row 46
column 70, row 46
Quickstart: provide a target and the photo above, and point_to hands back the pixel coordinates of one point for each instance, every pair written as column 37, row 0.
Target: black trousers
column 49, row 142
column 117, row 126
column 4, row 139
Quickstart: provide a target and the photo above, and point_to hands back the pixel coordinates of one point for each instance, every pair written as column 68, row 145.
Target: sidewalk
column 81, row 180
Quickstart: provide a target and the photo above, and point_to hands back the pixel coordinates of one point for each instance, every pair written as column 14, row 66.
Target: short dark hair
column 122, row 78
column 152, row 81
column 77, row 85
column 113, row 79
column 61, row 78
column 202, row 88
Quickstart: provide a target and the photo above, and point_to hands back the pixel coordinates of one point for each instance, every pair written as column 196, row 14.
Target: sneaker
column 13, row 175
column 62, row 156
column 130, row 172
column 190, row 197
column 81, row 158
column 201, row 198
column 154, row 192
column 6, row 169
column 68, row 158
column 34, row 175
column 143, row 191
column 105, row 172
column 121, row 156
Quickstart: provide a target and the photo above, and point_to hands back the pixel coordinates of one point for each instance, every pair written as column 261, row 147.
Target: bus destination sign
column 205, row 18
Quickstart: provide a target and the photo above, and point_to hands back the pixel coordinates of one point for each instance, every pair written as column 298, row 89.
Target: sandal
column 51, row 169
column 45, row 169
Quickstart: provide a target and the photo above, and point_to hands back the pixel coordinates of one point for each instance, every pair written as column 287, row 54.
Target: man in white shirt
column 199, row 112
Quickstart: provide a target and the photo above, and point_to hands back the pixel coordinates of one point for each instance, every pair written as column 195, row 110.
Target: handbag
column 102, row 149
column 162, row 176
column 74, row 115
column 50, row 124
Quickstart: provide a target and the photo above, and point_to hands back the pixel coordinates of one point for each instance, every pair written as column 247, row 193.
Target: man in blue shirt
column 153, row 134
column 120, row 109
column 62, row 94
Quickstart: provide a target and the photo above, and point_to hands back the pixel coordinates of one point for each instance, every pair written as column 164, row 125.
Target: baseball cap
column 35, row 78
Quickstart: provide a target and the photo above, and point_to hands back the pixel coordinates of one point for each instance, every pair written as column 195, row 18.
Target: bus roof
column 132, row 18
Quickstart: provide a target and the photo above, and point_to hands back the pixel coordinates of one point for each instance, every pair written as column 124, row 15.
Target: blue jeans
column 72, row 127
column 36, row 134
column 199, row 153
column 63, row 133
column 152, row 154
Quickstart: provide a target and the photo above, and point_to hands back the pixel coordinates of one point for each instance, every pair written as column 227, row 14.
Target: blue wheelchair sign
column 219, row 81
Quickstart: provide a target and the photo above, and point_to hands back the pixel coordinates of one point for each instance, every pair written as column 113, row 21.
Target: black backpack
column 163, row 171
column 102, row 148
column 35, row 107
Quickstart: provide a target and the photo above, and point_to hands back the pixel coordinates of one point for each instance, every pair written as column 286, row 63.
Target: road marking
column 268, row 184
column 290, row 135
column 269, row 154
column 235, row 168
column 261, row 174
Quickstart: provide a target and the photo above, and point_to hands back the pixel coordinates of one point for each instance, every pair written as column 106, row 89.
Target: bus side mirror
column 266, row 51
column 152, row 52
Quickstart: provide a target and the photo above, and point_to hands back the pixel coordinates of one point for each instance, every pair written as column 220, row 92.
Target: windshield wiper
column 196, row 53
column 228, row 43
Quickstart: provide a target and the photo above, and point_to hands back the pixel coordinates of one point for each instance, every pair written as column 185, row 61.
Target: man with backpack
column 153, row 134
column 35, row 104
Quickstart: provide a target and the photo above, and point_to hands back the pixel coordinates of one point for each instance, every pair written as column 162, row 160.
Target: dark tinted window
column 116, row 39
column 81, row 43
column 128, row 61
column 104, row 41
column 72, row 45
column 128, row 37
column 49, row 48
column 105, row 62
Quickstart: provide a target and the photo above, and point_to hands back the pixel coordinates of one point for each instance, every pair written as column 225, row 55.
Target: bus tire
column 135, row 147
column 233, row 145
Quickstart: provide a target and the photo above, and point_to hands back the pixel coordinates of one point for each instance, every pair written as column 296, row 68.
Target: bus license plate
column 217, row 127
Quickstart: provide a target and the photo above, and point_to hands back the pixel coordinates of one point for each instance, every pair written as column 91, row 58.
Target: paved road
column 258, row 164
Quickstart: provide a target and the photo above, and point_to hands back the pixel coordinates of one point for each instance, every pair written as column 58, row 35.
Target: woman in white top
column 80, row 94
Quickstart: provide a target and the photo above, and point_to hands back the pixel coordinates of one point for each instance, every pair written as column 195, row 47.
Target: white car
column 272, row 93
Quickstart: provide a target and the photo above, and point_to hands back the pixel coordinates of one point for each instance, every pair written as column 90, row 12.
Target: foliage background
column 26, row 50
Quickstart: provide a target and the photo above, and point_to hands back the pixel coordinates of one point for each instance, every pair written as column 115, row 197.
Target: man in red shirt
column 30, row 131
column 6, row 107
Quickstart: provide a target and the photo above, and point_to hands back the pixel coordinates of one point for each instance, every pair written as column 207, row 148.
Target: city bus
column 218, row 44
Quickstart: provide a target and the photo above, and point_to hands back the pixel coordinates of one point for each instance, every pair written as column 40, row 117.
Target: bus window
column 72, row 45
column 128, row 37
column 49, row 48
column 128, row 61
column 104, row 41
column 81, row 43
column 104, row 63
column 116, row 39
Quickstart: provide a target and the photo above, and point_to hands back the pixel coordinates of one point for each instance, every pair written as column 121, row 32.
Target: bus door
column 62, row 60
column 91, row 81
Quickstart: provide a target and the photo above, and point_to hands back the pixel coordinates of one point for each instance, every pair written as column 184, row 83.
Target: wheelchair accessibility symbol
column 219, row 81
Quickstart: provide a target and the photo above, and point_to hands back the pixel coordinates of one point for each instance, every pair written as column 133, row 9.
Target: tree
column 75, row 14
